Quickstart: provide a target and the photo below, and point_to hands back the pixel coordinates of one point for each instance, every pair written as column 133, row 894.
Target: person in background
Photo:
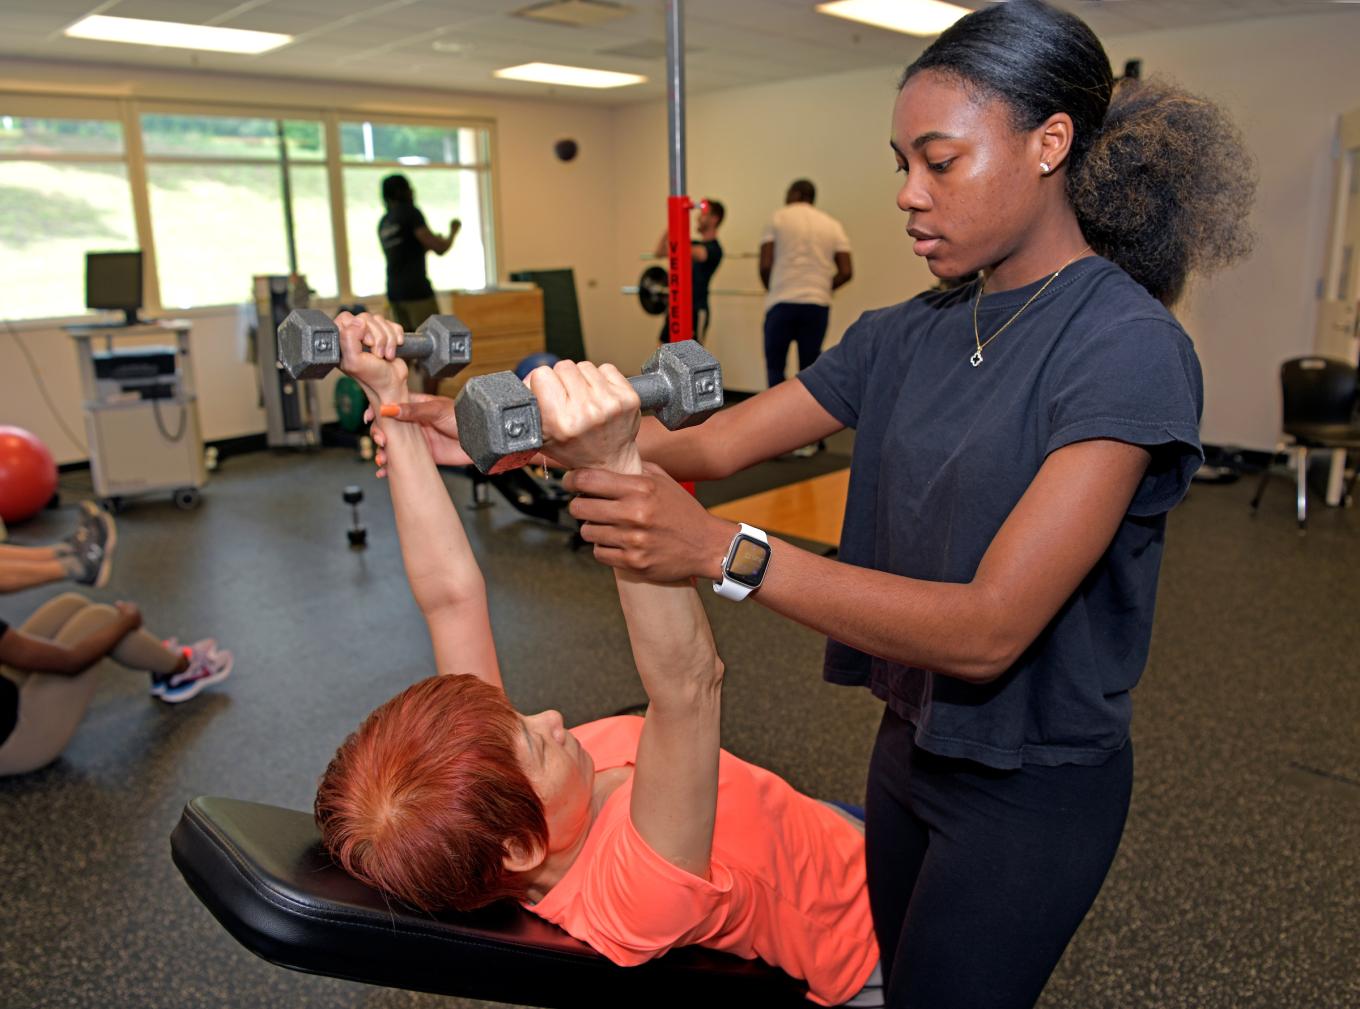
column 406, row 238
column 804, row 256
column 48, row 667
column 707, row 254
column 85, row 557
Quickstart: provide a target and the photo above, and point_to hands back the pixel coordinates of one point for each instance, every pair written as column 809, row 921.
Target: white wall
column 551, row 214
column 1285, row 80
column 744, row 147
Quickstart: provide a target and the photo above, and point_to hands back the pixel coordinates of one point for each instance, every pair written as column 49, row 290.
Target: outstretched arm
column 698, row 251
column 592, row 416
column 438, row 244
column 973, row 631
column 440, row 566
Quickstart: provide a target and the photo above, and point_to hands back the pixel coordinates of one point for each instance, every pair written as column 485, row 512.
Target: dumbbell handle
column 653, row 389
column 413, row 347
column 309, row 344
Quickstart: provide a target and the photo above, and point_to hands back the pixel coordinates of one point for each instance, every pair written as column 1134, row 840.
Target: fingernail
column 389, row 410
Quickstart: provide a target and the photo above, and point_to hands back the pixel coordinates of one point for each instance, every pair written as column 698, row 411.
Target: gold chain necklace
column 976, row 358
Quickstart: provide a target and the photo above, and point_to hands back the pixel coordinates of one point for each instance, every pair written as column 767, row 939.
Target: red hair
column 422, row 799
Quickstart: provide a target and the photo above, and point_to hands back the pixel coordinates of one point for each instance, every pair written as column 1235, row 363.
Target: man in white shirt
column 804, row 256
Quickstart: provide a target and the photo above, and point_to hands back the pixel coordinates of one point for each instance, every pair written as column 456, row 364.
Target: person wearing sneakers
column 47, row 672
column 84, row 557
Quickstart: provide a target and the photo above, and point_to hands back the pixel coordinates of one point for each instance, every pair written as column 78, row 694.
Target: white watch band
column 730, row 588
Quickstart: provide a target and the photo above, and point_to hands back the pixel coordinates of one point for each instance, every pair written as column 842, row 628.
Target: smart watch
column 744, row 566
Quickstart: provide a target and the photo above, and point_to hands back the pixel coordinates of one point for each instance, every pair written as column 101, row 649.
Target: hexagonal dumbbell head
column 498, row 422
column 681, row 383
column 309, row 343
column 451, row 346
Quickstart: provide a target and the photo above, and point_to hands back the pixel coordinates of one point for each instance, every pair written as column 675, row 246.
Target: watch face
column 748, row 560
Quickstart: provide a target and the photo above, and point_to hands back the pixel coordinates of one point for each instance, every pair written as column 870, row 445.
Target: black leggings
column 978, row 878
column 789, row 322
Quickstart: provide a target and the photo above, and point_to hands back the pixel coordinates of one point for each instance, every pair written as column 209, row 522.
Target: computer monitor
column 113, row 280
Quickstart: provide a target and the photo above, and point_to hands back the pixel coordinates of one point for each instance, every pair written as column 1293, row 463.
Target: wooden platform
column 810, row 510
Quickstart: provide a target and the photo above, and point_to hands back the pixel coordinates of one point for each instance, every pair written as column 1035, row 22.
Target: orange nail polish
column 389, row 410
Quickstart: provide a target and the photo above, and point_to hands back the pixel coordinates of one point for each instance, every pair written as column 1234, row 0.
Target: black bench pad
column 263, row 874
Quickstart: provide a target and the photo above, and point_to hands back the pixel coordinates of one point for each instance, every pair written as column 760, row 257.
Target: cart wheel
column 186, row 498
column 112, row 505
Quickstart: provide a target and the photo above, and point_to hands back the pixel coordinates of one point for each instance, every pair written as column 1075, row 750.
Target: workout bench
column 262, row 872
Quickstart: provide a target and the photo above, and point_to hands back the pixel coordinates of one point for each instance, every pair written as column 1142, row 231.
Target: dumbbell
column 309, row 345
column 500, row 427
column 358, row 535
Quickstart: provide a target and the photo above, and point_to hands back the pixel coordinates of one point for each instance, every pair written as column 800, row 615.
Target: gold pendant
column 976, row 359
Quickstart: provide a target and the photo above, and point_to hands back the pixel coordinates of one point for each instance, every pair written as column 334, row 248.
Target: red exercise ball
column 28, row 474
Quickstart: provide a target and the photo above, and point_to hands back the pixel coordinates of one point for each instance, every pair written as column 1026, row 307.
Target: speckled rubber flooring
column 1237, row 884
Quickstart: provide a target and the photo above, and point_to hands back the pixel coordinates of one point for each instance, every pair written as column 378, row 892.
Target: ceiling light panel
column 575, row 77
column 175, row 35
column 910, row 17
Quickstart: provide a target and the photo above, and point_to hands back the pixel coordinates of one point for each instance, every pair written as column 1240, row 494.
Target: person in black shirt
column 1019, row 442
column 707, row 254
column 406, row 238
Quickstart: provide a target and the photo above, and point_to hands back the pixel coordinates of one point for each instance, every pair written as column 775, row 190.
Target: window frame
column 128, row 112
column 88, row 107
column 484, row 166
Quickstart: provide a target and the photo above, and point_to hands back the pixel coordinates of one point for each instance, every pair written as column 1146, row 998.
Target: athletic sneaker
column 173, row 644
column 92, row 545
column 208, row 664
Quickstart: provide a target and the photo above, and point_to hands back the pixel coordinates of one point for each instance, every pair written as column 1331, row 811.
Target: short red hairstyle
column 421, row 800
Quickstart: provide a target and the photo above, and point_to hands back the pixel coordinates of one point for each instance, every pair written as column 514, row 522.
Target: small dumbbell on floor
column 309, row 345
column 358, row 535
column 501, row 429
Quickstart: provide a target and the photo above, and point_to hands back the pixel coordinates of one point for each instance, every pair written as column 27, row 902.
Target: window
column 63, row 192
column 220, row 211
column 450, row 172
column 211, row 194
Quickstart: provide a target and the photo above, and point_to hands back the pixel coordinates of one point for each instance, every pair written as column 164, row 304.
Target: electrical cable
column 160, row 424
column 42, row 388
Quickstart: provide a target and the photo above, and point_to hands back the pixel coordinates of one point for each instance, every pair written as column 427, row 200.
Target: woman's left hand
column 648, row 524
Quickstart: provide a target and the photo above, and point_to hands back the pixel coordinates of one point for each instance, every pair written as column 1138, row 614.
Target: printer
column 143, row 372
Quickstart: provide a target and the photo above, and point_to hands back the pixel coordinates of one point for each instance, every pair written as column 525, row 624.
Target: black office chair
column 1320, row 412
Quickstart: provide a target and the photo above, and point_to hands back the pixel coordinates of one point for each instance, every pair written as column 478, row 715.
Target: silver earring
column 1043, row 167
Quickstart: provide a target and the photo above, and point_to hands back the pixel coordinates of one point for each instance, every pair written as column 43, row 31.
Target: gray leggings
column 51, row 706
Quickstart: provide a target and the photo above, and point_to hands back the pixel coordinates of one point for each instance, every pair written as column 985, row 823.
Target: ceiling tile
column 730, row 42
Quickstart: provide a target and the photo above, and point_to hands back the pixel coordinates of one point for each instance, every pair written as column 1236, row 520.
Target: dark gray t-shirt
column 944, row 451
column 406, row 277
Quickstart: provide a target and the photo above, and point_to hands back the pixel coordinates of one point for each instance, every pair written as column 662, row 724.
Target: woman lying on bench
column 634, row 835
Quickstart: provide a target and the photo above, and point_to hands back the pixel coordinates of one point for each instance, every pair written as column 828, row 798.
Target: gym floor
column 1235, row 886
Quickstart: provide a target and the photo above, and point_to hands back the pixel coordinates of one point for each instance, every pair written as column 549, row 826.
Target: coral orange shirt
column 786, row 880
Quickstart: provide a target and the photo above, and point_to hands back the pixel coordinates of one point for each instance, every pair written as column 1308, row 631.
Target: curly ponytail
column 1160, row 179
column 1165, row 188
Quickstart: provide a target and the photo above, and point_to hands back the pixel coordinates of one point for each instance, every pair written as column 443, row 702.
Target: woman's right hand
column 130, row 613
